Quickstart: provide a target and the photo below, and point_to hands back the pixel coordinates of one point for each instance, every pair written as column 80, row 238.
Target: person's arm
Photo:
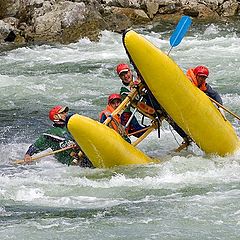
column 103, row 118
column 213, row 94
column 38, row 146
column 31, row 150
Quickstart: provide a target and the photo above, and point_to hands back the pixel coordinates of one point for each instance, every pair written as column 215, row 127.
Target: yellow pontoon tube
column 102, row 145
column 188, row 106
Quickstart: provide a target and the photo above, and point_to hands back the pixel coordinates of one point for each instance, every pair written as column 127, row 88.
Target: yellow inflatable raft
column 102, row 145
column 188, row 106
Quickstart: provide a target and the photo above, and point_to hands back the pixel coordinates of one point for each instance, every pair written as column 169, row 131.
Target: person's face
column 60, row 116
column 115, row 103
column 200, row 80
column 126, row 77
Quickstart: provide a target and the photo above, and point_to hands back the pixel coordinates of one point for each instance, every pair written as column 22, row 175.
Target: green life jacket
column 56, row 138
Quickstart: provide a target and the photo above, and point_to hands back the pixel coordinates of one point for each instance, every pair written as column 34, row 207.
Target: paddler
column 58, row 137
column 198, row 76
column 125, row 74
column 114, row 101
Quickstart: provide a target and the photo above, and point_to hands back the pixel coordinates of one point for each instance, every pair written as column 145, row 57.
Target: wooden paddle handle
column 227, row 110
column 149, row 130
column 44, row 155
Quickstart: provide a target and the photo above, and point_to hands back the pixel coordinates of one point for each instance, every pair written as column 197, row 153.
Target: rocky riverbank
column 59, row 21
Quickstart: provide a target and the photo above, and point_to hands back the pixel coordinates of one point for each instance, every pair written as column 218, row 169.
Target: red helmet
column 56, row 110
column 201, row 71
column 122, row 67
column 114, row 96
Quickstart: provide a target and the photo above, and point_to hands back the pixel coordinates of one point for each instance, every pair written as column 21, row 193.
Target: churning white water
column 187, row 196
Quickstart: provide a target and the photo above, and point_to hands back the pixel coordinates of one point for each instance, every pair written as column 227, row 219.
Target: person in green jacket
column 125, row 74
column 58, row 137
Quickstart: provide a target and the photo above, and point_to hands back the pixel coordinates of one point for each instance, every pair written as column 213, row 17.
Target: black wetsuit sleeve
column 213, row 94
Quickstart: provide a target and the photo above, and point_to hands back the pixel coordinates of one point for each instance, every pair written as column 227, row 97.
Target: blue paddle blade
column 180, row 31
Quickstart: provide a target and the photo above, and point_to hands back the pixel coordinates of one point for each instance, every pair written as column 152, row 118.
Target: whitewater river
column 187, row 196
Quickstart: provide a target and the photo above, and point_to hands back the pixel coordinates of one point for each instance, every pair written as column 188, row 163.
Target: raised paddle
column 180, row 31
column 44, row 155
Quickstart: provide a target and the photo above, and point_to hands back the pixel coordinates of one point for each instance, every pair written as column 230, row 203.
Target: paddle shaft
column 150, row 129
column 139, row 131
column 181, row 147
column 45, row 155
column 170, row 49
column 227, row 110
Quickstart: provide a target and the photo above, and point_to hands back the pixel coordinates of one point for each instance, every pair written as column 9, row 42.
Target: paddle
column 181, row 147
column 44, row 155
column 180, row 31
column 139, row 131
column 133, row 113
column 221, row 106
column 149, row 130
